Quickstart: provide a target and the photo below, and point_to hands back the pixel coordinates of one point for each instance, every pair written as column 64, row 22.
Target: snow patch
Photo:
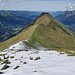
column 22, row 46
column 50, row 63
column 18, row 46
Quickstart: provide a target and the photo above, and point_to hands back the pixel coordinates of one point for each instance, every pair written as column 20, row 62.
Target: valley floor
column 35, row 62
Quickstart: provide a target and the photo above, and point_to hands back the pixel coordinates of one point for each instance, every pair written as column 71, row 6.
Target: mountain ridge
column 46, row 31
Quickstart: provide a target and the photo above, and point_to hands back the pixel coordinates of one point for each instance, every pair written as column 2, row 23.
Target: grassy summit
column 46, row 31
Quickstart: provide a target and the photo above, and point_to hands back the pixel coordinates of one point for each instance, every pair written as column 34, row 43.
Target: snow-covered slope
column 36, row 62
column 23, row 46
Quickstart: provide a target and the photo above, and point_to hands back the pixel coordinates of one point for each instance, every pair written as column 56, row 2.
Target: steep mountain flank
column 46, row 31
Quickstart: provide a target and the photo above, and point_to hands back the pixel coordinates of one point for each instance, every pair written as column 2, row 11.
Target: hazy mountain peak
column 44, row 13
column 68, row 19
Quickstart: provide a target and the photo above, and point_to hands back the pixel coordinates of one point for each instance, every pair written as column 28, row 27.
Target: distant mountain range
column 25, row 14
column 30, row 14
column 46, row 31
column 68, row 19
column 56, row 13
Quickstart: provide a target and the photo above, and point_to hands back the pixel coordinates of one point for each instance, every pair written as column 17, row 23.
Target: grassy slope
column 24, row 35
column 47, row 31
column 53, row 35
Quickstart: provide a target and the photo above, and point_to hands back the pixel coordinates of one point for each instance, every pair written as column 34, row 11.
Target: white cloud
column 5, row 2
column 2, row 5
column 13, row 1
column 71, row 6
column 0, row 0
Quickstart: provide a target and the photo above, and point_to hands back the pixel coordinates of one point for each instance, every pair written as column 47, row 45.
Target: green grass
column 6, row 62
column 25, row 63
column 11, row 57
column 37, row 58
column 54, row 35
column 62, row 53
column 0, row 59
column 16, row 67
column 1, row 73
column 31, row 58
column 5, row 67
column 35, row 70
column 31, row 44
column 67, row 51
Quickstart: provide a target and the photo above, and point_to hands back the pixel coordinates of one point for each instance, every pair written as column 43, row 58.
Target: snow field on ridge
column 36, row 62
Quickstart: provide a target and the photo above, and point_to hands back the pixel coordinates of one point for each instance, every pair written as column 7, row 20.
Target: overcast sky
column 37, row 5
